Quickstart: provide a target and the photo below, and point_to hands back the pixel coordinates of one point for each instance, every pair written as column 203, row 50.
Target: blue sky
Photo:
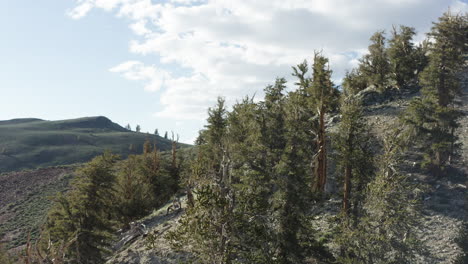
column 54, row 67
column 161, row 64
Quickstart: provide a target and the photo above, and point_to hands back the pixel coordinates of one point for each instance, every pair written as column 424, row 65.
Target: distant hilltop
column 28, row 143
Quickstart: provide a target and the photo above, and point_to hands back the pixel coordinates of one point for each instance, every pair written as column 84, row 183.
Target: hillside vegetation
column 32, row 143
column 25, row 200
column 371, row 172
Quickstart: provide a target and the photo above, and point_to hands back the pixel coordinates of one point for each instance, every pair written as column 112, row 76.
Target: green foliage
column 448, row 52
column 207, row 224
column 135, row 192
column 354, row 81
column 250, row 125
column 433, row 128
column 385, row 231
column 462, row 242
column 293, row 189
column 402, row 55
column 107, row 194
column 433, row 117
column 250, row 188
column 84, row 214
column 375, row 66
column 353, row 155
column 315, row 97
column 251, row 180
column 321, row 92
column 5, row 258
column 39, row 143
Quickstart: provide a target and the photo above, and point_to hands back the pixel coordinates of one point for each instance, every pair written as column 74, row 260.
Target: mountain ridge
column 28, row 143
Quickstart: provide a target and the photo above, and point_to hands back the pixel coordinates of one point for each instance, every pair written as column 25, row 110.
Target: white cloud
column 108, row 4
column 137, row 71
column 81, row 10
column 139, row 28
column 234, row 48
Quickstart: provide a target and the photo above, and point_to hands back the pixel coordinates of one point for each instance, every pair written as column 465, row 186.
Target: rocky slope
column 443, row 201
column 24, row 200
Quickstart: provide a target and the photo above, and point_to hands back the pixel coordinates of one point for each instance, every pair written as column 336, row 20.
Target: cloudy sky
column 161, row 64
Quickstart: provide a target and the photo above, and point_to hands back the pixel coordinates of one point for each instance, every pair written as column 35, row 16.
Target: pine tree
column 385, row 231
column 434, row 117
column 208, row 224
column 402, row 56
column 420, row 58
column 147, row 146
column 272, row 122
column 128, row 127
column 433, row 129
column 165, row 135
column 156, row 132
column 175, row 167
column 321, row 95
column 293, row 191
column 83, row 215
column 462, row 242
column 134, row 195
column 353, row 154
column 273, row 132
column 354, row 81
column 375, row 66
column 253, row 230
column 448, row 53
column 138, row 128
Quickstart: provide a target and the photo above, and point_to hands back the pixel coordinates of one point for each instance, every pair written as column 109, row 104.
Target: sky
column 161, row 64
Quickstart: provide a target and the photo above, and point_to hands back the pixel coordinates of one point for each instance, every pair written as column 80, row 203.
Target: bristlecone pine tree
column 462, row 242
column 321, row 91
column 384, row 232
column 434, row 116
column 402, row 55
column 83, row 215
column 353, row 154
column 375, row 66
column 208, row 224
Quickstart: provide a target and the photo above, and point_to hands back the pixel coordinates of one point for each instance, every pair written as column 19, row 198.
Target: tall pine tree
column 375, row 66
column 83, row 216
column 434, row 117
column 402, row 55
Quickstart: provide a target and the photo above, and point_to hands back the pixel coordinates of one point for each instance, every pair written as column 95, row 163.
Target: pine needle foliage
column 434, row 117
column 385, row 232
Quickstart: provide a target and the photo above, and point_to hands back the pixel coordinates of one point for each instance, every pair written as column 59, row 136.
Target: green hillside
column 31, row 143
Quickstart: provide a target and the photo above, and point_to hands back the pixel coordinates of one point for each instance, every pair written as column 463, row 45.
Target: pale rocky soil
column 157, row 224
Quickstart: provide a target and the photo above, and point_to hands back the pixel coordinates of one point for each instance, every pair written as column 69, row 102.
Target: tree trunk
column 452, row 145
column 322, row 154
column 174, row 155
column 347, row 189
column 443, row 93
column 190, row 199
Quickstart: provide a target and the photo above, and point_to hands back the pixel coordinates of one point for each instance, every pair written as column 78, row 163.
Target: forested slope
column 372, row 171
